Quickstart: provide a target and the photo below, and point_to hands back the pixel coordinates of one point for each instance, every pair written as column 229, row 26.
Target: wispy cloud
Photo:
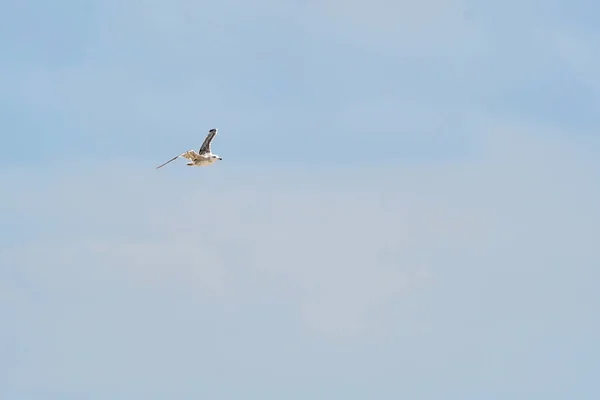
column 340, row 244
column 425, row 206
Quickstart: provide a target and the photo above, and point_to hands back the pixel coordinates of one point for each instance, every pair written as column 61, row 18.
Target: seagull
column 203, row 157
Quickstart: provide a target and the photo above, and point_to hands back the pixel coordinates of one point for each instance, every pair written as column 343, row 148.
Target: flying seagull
column 203, row 157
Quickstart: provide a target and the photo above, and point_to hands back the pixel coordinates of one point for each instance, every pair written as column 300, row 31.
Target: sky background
column 407, row 205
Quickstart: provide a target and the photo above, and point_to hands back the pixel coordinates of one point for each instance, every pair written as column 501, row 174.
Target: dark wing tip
column 172, row 159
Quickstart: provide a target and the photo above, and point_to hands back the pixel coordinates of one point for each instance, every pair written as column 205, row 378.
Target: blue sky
column 407, row 205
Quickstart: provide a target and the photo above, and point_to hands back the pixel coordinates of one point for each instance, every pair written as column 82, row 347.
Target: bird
column 203, row 157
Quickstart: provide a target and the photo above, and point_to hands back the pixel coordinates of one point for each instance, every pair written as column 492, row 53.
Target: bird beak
column 220, row 158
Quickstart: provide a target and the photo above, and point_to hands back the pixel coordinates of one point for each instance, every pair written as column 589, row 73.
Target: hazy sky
column 407, row 206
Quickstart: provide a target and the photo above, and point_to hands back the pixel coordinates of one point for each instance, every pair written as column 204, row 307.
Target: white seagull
column 203, row 157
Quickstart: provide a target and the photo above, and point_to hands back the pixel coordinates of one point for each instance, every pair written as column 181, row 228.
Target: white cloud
column 115, row 275
column 342, row 245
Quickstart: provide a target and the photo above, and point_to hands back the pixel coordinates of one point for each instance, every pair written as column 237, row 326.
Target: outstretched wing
column 205, row 148
column 172, row 159
column 190, row 155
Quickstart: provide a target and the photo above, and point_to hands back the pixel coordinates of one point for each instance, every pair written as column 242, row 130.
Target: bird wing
column 172, row 159
column 190, row 155
column 205, row 148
